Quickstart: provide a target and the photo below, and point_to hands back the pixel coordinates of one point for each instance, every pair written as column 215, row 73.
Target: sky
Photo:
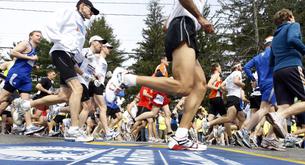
column 17, row 21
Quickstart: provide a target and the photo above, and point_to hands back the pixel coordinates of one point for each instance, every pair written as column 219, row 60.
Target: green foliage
column 43, row 64
column 151, row 49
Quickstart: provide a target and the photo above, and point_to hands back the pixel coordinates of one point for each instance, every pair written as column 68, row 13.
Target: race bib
column 159, row 99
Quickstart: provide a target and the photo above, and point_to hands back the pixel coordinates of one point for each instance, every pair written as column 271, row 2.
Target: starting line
column 94, row 153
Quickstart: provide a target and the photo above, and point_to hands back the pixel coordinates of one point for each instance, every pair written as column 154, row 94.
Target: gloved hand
column 88, row 77
column 98, row 83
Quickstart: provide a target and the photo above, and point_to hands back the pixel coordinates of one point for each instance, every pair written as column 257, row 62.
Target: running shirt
column 22, row 66
column 145, row 101
column 216, row 93
column 66, row 29
column 93, row 65
column 162, row 68
column 233, row 89
column 179, row 10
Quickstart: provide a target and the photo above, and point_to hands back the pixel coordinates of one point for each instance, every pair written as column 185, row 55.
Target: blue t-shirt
column 287, row 46
column 261, row 62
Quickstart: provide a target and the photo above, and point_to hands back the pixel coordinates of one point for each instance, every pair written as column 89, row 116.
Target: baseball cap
column 268, row 40
column 87, row 2
column 97, row 38
column 108, row 45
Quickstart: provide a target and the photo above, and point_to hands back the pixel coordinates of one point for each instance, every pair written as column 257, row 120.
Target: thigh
column 184, row 62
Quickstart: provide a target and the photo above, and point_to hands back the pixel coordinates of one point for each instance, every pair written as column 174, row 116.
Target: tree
column 100, row 27
column 151, row 49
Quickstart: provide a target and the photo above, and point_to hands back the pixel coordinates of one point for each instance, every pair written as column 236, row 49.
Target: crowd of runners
column 89, row 103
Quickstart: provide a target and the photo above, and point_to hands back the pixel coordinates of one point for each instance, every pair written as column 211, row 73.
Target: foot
column 176, row 143
column 278, row 123
column 33, row 129
column 76, row 135
column 272, row 144
column 243, row 136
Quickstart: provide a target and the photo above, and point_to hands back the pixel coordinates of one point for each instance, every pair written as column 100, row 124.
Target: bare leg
column 231, row 114
column 87, row 107
column 167, row 118
column 74, row 101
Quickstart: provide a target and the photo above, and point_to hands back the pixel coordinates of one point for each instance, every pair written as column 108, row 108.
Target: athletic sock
column 131, row 80
column 181, row 132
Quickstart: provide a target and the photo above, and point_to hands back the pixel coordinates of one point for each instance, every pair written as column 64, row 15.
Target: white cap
column 108, row 45
column 97, row 38
column 268, row 40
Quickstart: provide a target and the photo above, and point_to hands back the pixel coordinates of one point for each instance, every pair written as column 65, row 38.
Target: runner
column 19, row 76
column 189, row 79
column 234, row 85
column 261, row 63
column 288, row 72
column 67, row 31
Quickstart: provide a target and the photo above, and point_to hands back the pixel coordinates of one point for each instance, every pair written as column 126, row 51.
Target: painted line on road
column 258, row 155
column 163, row 159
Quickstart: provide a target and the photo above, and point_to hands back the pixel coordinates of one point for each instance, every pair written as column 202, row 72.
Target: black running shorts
column 288, row 84
column 234, row 101
column 217, row 106
column 65, row 65
column 181, row 29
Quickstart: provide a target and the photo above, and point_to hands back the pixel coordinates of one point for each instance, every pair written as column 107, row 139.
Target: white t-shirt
column 233, row 89
column 92, row 64
column 179, row 10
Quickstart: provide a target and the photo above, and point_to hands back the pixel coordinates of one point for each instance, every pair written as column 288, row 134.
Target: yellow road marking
column 258, row 155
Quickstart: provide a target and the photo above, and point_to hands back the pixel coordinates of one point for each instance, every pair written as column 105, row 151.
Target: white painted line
column 226, row 161
column 89, row 155
column 163, row 159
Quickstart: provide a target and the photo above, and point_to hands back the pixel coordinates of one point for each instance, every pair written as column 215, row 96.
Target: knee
column 77, row 89
column 63, row 97
column 185, row 89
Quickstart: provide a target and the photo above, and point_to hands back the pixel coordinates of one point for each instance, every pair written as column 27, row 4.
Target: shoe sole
column 277, row 130
column 32, row 132
column 243, row 140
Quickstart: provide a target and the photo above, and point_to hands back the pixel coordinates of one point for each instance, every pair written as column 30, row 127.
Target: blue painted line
column 71, row 153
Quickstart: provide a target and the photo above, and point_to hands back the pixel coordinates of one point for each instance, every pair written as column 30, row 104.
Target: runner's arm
column 212, row 81
column 21, row 47
column 191, row 7
column 247, row 69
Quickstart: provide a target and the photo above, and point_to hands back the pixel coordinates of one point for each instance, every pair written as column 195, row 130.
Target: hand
column 34, row 58
column 88, row 77
column 206, row 25
column 98, row 83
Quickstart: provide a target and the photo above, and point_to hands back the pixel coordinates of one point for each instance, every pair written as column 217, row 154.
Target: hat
column 97, row 38
column 108, row 45
column 268, row 40
column 87, row 2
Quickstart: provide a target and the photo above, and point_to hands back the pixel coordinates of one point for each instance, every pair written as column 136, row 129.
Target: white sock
column 181, row 132
column 73, row 128
column 131, row 79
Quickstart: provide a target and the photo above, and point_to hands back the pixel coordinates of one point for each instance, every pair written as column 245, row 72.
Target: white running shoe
column 76, row 135
column 185, row 144
column 33, row 129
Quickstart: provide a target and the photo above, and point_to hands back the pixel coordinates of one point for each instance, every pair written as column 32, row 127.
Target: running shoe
column 176, row 143
column 243, row 136
column 76, row 135
column 272, row 144
column 253, row 140
column 278, row 123
column 33, row 129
